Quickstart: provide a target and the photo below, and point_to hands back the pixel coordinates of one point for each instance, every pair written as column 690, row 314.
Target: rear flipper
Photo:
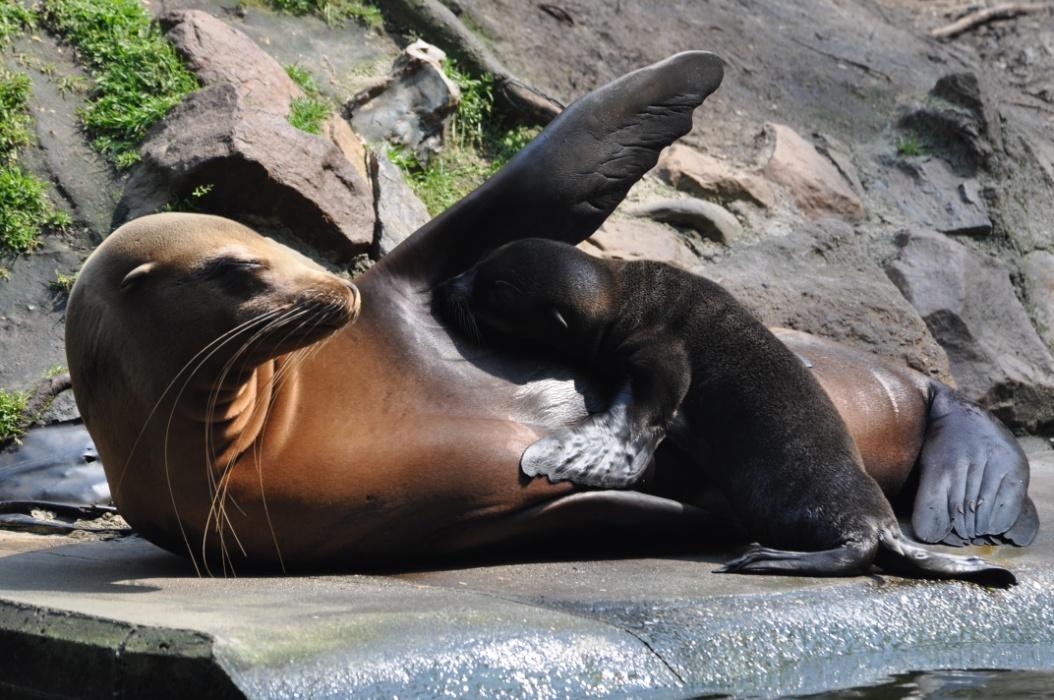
column 890, row 552
column 973, row 478
column 604, row 451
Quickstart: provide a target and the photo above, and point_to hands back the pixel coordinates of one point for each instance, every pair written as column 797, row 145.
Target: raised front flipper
column 565, row 182
column 973, row 478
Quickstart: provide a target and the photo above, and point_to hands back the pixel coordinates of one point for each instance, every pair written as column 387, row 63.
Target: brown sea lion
column 700, row 368
column 389, row 440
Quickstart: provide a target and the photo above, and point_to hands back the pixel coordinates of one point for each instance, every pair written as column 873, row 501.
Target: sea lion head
column 178, row 305
column 547, row 292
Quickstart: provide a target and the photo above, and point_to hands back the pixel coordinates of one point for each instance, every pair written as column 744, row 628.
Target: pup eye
column 505, row 292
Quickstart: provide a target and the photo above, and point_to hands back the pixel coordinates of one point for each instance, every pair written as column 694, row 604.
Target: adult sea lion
column 387, row 440
column 699, row 367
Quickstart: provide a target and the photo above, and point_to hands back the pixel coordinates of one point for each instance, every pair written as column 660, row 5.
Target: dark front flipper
column 973, row 477
column 572, row 175
column 898, row 556
column 604, row 451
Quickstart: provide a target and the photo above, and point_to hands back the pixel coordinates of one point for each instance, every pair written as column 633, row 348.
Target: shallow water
column 954, row 684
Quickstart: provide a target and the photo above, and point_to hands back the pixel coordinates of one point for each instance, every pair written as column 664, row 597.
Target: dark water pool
column 954, row 684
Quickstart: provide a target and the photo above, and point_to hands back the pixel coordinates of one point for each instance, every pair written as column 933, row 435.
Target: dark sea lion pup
column 703, row 369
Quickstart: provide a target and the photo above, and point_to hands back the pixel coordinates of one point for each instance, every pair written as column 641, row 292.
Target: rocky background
column 854, row 177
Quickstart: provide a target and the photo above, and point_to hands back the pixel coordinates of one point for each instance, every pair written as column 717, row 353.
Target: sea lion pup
column 703, row 369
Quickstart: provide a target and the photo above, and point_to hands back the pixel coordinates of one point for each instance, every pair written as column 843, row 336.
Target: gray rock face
column 399, row 211
column 813, row 181
column 1039, row 285
column 219, row 54
column 411, row 105
column 929, row 192
column 711, row 220
column 970, row 307
column 820, row 281
column 260, row 169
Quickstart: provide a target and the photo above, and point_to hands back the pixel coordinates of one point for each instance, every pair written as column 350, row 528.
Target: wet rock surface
column 123, row 614
column 970, row 307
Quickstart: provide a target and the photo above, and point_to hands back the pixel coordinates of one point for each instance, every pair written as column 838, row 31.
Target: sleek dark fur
column 704, row 370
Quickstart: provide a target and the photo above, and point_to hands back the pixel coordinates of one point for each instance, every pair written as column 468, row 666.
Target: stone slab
column 121, row 618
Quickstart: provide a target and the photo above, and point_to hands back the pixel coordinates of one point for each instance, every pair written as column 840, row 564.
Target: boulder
column 258, row 168
column 1038, row 269
column 969, row 304
column 702, row 175
column 631, row 239
column 821, row 281
column 929, row 193
column 218, row 53
column 411, row 106
column 956, row 121
column 399, row 211
column 710, row 220
column 817, row 187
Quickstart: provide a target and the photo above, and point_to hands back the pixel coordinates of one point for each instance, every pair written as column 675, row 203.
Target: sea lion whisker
column 222, row 340
column 218, row 343
column 217, row 508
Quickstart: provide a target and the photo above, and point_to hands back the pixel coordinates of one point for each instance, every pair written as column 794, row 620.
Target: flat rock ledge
column 124, row 619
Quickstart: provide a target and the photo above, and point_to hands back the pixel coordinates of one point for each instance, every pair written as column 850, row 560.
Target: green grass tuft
column 476, row 146
column 24, row 209
column 24, row 206
column 14, row 116
column 138, row 75
column 12, row 413
column 62, row 284
column 333, row 11
column 911, row 146
column 15, row 18
column 308, row 113
column 303, row 78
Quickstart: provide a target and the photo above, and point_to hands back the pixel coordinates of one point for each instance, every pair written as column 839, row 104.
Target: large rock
column 260, row 169
column 630, row 239
column 710, row 220
column 411, row 106
column 820, row 281
column 702, row 175
column 399, row 211
column 1038, row 271
column 928, row 192
column 813, row 181
column 969, row 304
column 218, row 53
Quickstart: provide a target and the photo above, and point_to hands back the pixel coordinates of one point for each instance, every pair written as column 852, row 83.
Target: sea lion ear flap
column 132, row 279
column 559, row 317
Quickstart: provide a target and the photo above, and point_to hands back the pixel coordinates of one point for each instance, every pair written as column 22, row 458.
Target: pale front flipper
column 613, row 449
column 973, row 479
column 602, row 451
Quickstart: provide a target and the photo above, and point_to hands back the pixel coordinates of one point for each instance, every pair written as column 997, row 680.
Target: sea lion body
column 385, row 441
column 704, row 370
